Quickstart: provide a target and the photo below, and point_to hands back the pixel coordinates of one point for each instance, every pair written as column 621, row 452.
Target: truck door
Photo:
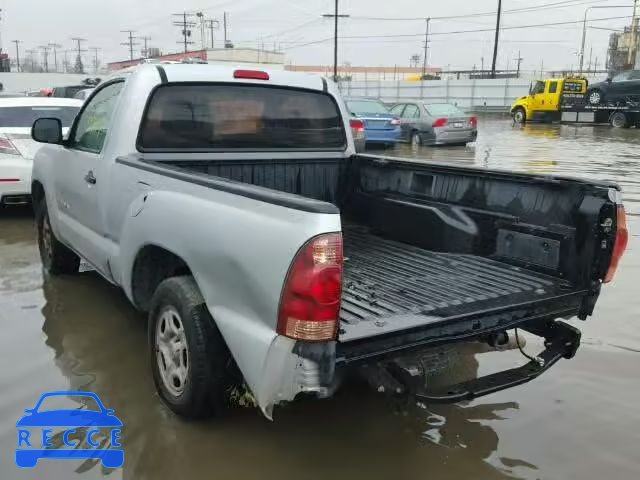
column 537, row 96
column 551, row 97
column 77, row 180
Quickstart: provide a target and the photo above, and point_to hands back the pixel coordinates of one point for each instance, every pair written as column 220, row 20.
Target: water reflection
column 99, row 344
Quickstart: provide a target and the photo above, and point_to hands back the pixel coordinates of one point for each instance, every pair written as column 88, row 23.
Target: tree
column 79, row 67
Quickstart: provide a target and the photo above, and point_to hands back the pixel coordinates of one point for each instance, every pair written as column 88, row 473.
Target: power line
column 130, row 42
column 145, row 51
column 186, row 28
column 212, row 25
column 335, row 15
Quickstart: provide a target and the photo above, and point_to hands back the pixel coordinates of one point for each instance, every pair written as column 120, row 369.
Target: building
column 234, row 56
column 619, row 45
column 349, row 72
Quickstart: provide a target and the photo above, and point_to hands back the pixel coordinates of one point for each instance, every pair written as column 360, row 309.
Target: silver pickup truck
column 231, row 207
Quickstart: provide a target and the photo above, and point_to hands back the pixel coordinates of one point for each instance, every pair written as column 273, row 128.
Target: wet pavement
column 581, row 420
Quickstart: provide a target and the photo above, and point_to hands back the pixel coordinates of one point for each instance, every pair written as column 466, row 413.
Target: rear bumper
column 388, row 137
column 443, row 136
column 15, row 179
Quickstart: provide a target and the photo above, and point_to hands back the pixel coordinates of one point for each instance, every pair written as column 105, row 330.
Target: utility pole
column 632, row 48
column 79, row 68
column 45, row 56
column 54, row 46
column 31, row 55
column 200, row 16
column 335, row 17
column 186, row 26
column 96, row 63
column 595, row 66
column 17, row 42
column 130, row 42
column 495, row 42
column 426, row 49
column 482, row 66
column 145, row 52
column 519, row 60
column 590, row 54
column 212, row 25
column 224, row 22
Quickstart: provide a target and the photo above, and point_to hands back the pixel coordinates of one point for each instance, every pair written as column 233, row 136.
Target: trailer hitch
column 561, row 341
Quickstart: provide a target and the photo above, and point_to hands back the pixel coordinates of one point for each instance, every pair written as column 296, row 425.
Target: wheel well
column 152, row 265
column 37, row 193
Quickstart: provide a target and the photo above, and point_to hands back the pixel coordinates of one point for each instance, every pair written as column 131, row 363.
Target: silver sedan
column 435, row 124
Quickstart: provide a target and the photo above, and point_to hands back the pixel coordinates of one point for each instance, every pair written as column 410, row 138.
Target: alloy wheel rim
column 172, row 355
column 518, row 116
column 594, row 97
column 415, row 140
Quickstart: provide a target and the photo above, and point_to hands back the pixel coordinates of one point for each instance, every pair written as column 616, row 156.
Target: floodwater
column 581, row 420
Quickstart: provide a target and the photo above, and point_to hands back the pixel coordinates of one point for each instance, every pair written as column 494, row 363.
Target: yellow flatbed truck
column 546, row 98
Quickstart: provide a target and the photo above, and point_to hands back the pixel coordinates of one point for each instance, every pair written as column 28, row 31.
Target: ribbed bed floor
column 391, row 285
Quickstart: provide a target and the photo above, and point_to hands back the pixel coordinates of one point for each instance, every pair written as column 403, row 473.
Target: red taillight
column 395, row 121
column 441, row 122
column 310, row 302
column 251, row 74
column 7, row 147
column 357, row 128
column 619, row 245
column 473, row 121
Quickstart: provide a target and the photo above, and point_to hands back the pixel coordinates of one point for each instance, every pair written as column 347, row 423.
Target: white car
column 16, row 146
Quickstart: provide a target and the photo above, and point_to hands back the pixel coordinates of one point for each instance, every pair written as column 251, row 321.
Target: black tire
column 56, row 258
column 415, row 139
column 519, row 115
column 595, row 96
column 619, row 120
column 206, row 358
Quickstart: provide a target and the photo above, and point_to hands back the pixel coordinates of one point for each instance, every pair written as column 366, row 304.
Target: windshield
column 23, row 117
column 621, row 77
column 363, row 107
column 443, row 110
column 214, row 116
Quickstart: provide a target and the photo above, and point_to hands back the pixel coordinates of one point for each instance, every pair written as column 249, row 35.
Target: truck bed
column 390, row 286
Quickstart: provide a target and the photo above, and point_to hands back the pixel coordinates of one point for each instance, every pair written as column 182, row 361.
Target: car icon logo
column 68, row 420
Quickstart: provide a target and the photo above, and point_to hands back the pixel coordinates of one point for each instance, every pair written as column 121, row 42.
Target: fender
column 239, row 251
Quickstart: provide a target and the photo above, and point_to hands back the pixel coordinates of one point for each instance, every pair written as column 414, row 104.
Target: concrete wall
column 15, row 82
column 473, row 95
column 244, row 55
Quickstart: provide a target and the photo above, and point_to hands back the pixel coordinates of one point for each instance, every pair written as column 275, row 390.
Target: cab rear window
column 572, row 87
column 213, row 117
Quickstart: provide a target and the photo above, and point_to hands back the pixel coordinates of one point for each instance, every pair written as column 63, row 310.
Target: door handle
column 90, row 177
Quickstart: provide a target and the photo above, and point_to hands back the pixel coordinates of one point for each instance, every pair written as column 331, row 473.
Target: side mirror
column 47, row 130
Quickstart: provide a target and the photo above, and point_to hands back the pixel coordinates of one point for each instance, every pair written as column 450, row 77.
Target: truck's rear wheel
column 56, row 258
column 191, row 364
column 519, row 115
column 619, row 120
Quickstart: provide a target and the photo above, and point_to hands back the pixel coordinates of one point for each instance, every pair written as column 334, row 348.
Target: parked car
column 435, row 124
column 264, row 249
column 17, row 148
column 83, row 94
column 621, row 87
column 381, row 127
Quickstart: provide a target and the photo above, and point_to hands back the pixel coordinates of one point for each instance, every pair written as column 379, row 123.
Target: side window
column 397, row 110
column 635, row 75
column 538, row 88
column 91, row 129
column 553, row 87
column 411, row 111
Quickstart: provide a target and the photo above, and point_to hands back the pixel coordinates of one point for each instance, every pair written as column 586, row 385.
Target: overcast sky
column 291, row 25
